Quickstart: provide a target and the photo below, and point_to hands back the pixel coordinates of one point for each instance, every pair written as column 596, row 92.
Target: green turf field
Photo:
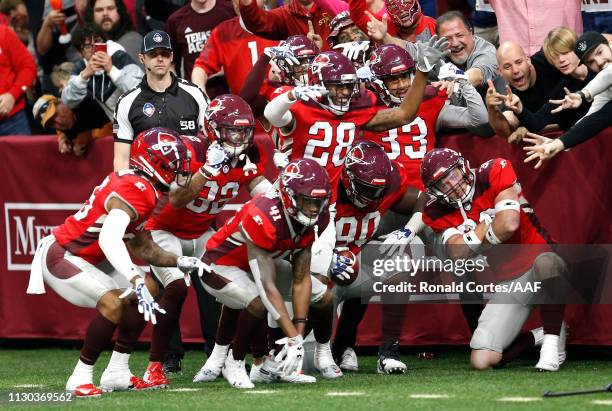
column 447, row 376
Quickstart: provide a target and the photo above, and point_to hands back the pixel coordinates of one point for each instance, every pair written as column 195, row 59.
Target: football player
column 475, row 210
column 324, row 117
column 184, row 225
column 240, row 259
column 392, row 68
column 371, row 186
column 69, row 259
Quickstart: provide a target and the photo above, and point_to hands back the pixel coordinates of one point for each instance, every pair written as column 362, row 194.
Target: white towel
column 37, row 284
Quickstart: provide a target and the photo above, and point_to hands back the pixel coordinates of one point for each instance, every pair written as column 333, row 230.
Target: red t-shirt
column 234, row 50
column 355, row 227
column 264, row 221
column 190, row 30
column 408, row 144
column 80, row 232
column 325, row 137
column 198, row 215
column 492, row 178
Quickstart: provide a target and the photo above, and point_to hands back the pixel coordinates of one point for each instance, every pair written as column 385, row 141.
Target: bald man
column 530, row 78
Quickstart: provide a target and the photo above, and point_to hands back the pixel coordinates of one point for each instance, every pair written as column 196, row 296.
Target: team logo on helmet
column 355, row 156
column 166, row 143
column 292, row 171
column 148, row 109
column 215, row 106
column 319, row 62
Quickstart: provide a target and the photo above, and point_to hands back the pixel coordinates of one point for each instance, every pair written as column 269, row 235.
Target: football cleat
column 211, row 369
column 267, row 373
column 173, row 364
column 348, row 362
column 324, row 362
column 538, row 335
column 86, row 391
column 235, row 373
column 121, row 380
column 155, row 376
column 549, row 354
column 389, row 361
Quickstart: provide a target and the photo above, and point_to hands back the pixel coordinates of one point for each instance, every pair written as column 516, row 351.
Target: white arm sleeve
column 601, row 82
column 112, row 245
column 277, row 111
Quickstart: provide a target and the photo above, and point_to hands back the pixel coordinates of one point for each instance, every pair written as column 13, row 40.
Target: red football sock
column 130, row 327
column 226, row 329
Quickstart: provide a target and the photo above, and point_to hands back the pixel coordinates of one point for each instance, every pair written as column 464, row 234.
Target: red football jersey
column 270, row 90
column 233, row 49
column 79, row 233
column 198, row 215
column 408, row 144
column 492, row 178
column 325, row 137
column 355, row 227
column 264, row 221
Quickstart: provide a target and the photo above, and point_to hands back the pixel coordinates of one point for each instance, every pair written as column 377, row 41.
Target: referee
column 164, row 100
column 161, row 100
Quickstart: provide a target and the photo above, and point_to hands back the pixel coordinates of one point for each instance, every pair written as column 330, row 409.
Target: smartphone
column 100, row 47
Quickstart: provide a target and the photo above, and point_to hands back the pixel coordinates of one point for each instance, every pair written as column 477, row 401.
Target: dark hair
column 86, row 31
column 6, row 6
column 452, row 15
column 125, row 23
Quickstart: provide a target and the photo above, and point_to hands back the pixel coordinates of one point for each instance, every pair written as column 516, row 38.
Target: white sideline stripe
column 345, row 394
column 183, row 389
column 429, row 396
column 519, row 399
column 602, row 402
column 28, row 386
column 260, row 392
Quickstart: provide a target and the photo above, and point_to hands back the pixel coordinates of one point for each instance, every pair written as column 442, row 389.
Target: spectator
column 17, row 74
column 113, row 18
column 288, row 20
column 528, row 22
column 469, row 52
column 594, row 50
column 74, row 128
column 52, row 46
column 226, row 49
column 532, row 79
column 189, row 28
column 409, row 22
column 344, row 30
column 102, row 74
column 60, row 76
column 19, row 21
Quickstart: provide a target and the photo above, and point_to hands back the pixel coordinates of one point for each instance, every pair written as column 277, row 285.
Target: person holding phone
column 104, row 73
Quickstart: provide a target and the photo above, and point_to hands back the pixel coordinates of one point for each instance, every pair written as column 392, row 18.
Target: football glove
column 341, row 266
column 354, row 50
column 429, row 54
column 291, row 356
column 216, row 157
column 365, row 74
column 146, row 303
column 467, row 225
column 306, row 93
column 282, row 53
column 280, row 159
column 188, row 265
column 396, row 241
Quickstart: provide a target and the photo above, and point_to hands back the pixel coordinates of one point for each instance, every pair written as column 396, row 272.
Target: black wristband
column 583, row 96
column 300, row 320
